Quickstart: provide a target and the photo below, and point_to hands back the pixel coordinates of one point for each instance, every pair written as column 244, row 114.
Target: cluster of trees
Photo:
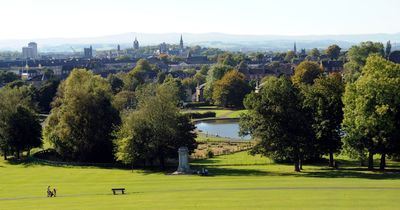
column 148, row 130
column 156, row 129
column 20, row 129
column 295, row 122
column 314, row 113
column 226, row 86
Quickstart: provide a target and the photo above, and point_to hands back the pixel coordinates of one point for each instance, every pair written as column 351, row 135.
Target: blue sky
column 87, row 18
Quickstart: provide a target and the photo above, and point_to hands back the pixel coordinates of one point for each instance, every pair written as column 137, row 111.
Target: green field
column 238, row 181
column 220, row 112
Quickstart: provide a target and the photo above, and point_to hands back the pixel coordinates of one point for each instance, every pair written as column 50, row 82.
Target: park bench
column 115, row 190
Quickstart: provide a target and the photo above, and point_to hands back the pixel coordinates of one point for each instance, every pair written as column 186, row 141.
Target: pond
column 221, row 127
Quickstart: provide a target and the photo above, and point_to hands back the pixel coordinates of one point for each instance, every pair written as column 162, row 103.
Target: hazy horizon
column 44, row 19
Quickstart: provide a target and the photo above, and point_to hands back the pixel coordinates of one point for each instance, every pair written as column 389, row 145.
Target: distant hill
column 219, row 40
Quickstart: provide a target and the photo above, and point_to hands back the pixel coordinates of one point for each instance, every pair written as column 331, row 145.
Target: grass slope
column 239, row 181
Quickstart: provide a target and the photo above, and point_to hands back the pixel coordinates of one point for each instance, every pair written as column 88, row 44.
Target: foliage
column 156, row 129
column 277, row 119
column 357, row 56
column 215, row 73
column 82, row 119
column 306, row 72
column 198, row 115
column 324, row 99
column 124, row 100
column 116, row 83
column 290, row 56
column 371, row 105
column 18, row 132
column 7, row 77
column 333, row 52
column 314, row 53
column 230, row 90
column 46, row 94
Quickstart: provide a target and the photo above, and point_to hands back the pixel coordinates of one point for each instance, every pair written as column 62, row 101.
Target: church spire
column 181, row 43
column 136, row 44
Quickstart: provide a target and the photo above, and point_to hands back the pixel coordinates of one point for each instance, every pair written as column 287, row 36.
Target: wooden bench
column 115, row 190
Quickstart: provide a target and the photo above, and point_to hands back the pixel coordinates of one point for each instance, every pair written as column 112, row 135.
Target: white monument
column 183, row 167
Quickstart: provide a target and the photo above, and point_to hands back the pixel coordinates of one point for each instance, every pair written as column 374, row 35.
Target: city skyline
column 76, row 19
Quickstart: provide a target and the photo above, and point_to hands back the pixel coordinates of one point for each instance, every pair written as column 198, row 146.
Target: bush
column 197, row 115
column 196, row 104
column 210, row 153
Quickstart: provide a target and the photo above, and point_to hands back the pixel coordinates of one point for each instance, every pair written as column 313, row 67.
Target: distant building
column 33, row 45
column 88, row 52
column 118, row 48
column 199, row 96
column 30, row 52
column 332, row 66
column 181, row 43
column 136, row 44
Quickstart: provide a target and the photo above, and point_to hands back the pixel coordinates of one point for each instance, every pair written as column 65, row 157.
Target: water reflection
column 223, row 127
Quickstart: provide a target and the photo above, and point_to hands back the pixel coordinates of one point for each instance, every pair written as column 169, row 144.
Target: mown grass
column 220, row 112
column 237, row 181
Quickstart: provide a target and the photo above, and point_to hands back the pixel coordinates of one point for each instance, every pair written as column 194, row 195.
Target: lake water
column 223, row 128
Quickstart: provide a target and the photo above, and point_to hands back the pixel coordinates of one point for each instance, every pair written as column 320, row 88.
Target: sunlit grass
column 237, row 181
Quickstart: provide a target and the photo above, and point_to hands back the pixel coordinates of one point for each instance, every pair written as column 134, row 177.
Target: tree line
column 313, row 113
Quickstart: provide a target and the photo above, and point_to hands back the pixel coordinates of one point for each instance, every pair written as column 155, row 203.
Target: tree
column 324, row 98
column 46, row 94
column 215, row 73
column 357, row 56
column 124, row 100
column 333, row 52
column 231, row 89
column 24, row 130
column 290, row 56
column 278, row 121
column 306, row 72
column 14, row 103
column 7, row 77
column 388, row 49
column 371, row 105
column 314, row 53
column 176, row 82
column 115, row 82
column 82, row 119
column 143, row 70
column 156, row 129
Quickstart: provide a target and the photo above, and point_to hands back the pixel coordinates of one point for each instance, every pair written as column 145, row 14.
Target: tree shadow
column 356, row 172
column 237, row 172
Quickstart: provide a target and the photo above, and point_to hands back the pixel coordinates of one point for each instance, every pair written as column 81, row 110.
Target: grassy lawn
column 238, row 181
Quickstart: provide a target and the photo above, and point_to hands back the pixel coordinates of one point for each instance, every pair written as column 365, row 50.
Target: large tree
column 230, row 90
column 82, row 119
column 371, row 105
column 45, row 95
column 324, row 98
column 276, row 118
column 19, row 126
column 24, row 130
column 215, row 73
column 333, row 52
column 306, row 72
column 156, row 130
column 357, row 57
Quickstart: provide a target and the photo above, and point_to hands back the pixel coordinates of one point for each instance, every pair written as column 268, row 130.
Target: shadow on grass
column 238, row 172
column 361, row 173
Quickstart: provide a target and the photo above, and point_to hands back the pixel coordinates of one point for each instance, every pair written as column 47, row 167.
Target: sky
column 27, row 19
